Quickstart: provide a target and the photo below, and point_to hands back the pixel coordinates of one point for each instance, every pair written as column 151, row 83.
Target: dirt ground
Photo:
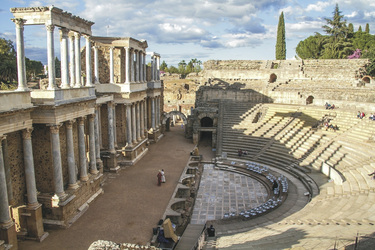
column 132, row 203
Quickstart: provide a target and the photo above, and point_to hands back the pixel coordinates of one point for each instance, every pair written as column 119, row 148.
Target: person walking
column 159, row 175
column 162, row 176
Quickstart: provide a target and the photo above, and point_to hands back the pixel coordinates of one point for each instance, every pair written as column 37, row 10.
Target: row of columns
column 83, row 168
column 136, row 120
column 5, row 181
column 155, row 67
column 135, row 65
column 155, row 112
column 70, row 76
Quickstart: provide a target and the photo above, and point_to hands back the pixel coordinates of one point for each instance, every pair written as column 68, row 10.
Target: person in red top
column 159, row 175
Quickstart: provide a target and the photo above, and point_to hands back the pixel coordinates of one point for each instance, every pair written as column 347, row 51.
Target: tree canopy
column 280, row 41
column 194, row 65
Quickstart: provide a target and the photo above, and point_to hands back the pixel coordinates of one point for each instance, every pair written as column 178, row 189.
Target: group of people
column 330, row 126
column 360, row 115
column 161, row 177
column 372, row 117
column 329, row 106
column 242, row 152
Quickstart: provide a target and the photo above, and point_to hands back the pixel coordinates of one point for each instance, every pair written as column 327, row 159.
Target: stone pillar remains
column 111, row 66
column 114, row 125
column 138, row 121
column 72, row 60
column 127, row 65
column 153, row 113
column 140, row 56
column 70, row 156
column 158, row 68
column 51, row 57
column 8, row 176
column 129, row 126
column 77, row 51
column 134, row 128
column 97, row 138
column 56, row 159
column 82, row 150
column 92, row 155
column 7, row 226
column 64, row 58
column 88, row 62
column 142, row 115
column 111, row 139
column 21, row 66
column 96, row 65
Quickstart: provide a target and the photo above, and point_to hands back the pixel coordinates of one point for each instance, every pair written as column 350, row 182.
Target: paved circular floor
column 223, row 192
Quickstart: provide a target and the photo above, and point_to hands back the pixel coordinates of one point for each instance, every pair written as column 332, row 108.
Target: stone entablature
column 52, row 16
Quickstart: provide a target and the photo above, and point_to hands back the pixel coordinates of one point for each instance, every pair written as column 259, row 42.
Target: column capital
column 64, row 32
column 26, row 133
column 19, row 22
column 69, row 124
column 77, row 35
column 91, row 117
column 54, row 128
column 81, row 120
column 50, row 27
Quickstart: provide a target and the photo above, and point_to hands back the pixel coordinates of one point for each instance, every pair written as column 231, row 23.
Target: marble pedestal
column 9, row 235
column 34, row 220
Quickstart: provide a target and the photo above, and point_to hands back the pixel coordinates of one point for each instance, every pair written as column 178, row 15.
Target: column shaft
column 96, row 65
column 29, row 168
column 64, row 58
column 56, row 159
column 134, row 129
column 8, row 176
column 82, row 149
column 4, row 205
column 88, row 62
column 127, row 65
column 92, row 155
column 21, row 66
column 51, row 57
column 138, row 117
column 70, row 155
column 136, row 66
column 153, row 113
column 77, row 48
column 111, row 66
column 111, row 139
column 129, row 136
column 97, row 138
column 72, row 60
column 142, row 114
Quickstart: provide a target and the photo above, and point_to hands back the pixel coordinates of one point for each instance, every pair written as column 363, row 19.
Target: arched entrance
column 366, row 79
column 205, row 137
column 168, row 118
column 309, row 100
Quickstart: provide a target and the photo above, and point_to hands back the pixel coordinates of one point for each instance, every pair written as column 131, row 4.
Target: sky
column 206, row 30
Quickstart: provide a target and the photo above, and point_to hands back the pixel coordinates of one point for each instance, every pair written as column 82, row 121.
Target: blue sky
column 182, row 30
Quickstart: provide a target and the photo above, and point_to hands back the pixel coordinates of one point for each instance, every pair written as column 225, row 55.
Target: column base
column 8, row 234
column 84, row 178
column 94, row 171
column 110, row 162
column 34, row 220
column 73, row 186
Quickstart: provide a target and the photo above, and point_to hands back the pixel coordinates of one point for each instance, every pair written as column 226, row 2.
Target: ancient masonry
column 57, row 140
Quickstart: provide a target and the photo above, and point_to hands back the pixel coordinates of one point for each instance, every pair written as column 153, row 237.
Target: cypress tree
column 280, row 42
column 360, row 28
column 367, row 30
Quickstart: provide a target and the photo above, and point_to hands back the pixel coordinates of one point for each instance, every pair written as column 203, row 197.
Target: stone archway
column 366, row 79
column 309, row 100
column 168, row 116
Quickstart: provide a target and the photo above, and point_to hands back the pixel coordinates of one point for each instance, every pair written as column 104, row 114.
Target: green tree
column 360, row 28
column 367, row 29
column 280, row 41
column 33, row 68
column 336, row 27
column 182, row 67
column 312, row 47
column 164, row 66
column 8, row 61
column 173, row 70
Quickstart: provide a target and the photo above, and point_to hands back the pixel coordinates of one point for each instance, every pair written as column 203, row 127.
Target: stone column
column 114, row 125
column 127, row 65
column 153, row 113
column 136, row 65
column 144, row 67
column 111, row 138
column 140, row 65
column 146, row 116
column 111, row 66
column 56, row 159
column 51, row 57
column 77, row 48
column 4, row 205
column 131, row 65
column 32, row 200
column 92, row 155
column 88, row 62
column 21, row 66
column 142, row 114
column 152, row 68
column 129, row 135
column 157, row 112
column 72, row 60
column 96, row 65
column 134, row 128
column 138, row 121
column 82, row 150
column 8, row 176
column 64, row 58
column 70, row 155
column 97, row 138
column 7, row 228
column 158, row 68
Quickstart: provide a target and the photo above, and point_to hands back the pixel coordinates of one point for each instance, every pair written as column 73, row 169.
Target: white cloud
column 318, row 6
